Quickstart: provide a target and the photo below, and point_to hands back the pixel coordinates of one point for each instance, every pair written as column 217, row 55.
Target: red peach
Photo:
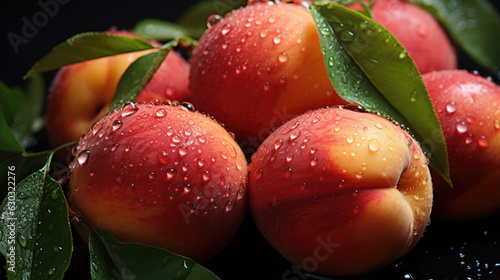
column 340, row 192
column 163, row 176
column 468, row 107
column 81, row 93
column 418, row 31
column 258, row 67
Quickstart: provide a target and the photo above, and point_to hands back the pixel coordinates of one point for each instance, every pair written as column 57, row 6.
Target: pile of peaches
column 249, row 121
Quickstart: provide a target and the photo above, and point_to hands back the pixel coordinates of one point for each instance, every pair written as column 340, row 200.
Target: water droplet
column 200, row 162
column 278, row 144
column 346, row 36
column 229, row 207
column 413, row 96
column 451, row 107
column 469, row 139
column 482, row 142
column 205, row 176
column 114, row 147
column 294, row 135
column 402, row 55
column 161, row 113
column 183, row 151
column 350, row 140
column 283, row 58
column 277, row 40
column 163, row 157
column 289, row 158
column 22, row 240
column 258, row 174
column 415, row 231
column 379, row 125
column 22, row 195
column 373, row 145
column 117, row 124
column 422, row 30
column 57, row 249
column 314, row 162
column 462, row 128
column 497, row 124
column 212, row 20
column 225, row 29
column 170, row 174
column 52, row 271
column 288, row 173
column 263, row 33
column 176, row 139
column 83, row 157
column 129, row 109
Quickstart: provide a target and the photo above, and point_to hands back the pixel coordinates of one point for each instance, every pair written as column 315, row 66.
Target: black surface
column 448, row 250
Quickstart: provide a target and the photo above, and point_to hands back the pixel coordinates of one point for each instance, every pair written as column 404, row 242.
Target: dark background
column 449, row 250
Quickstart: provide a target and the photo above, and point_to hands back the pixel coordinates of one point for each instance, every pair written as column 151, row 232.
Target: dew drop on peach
column 205, row 176
column 212, row 20
column 482, row 142
column 373, row 145
column 129, row 109
column 83, row 157
column 451, row 107
column 229, row 207
column 462, row 127
column 169, row 174
column 117, row 124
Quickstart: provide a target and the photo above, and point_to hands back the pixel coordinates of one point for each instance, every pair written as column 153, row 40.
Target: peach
column 161, row 175
column 81, row 93
column 340, row 192
column 258, row 67
column 468, row 107
column 418, row 31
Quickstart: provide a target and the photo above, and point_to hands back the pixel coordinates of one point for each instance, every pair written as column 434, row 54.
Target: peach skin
column 340, row 192
column 468, row 107
column 161, row 175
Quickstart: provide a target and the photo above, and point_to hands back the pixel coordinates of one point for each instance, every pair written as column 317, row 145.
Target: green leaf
column 111, row 258
column 8, row 142
column 24, row 163
column 36, row 236
column 87, row 46
column 369, row 67
column 473, row 24
column 29, row 120
column 10, row 101
column 139, row 73
column 161, row 30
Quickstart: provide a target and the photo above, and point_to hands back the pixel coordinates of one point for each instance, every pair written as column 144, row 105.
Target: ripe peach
column 468, row 107
column 419, row 33
column 81, row 93
column 258, row 67
column 163, row 176
column 340, row 192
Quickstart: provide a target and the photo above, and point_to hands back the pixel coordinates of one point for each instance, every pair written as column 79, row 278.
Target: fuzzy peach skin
column 258, row 67
column 80, row 94
column 163, row 176
column 418, row 31
column 468, row 107
column 340, row 192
